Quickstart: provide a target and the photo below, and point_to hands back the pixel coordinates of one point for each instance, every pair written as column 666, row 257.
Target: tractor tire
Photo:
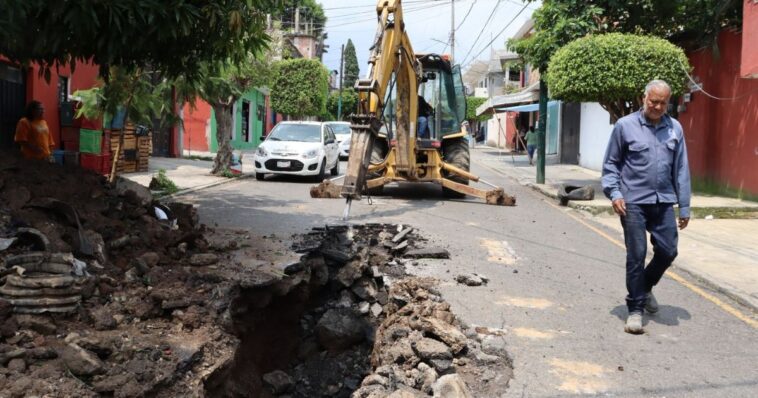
column 378, row 154
column 456, row 152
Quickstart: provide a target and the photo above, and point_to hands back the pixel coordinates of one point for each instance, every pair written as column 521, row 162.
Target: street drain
column 348, row 321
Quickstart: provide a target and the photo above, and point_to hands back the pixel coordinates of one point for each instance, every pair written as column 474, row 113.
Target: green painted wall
column 255, row 99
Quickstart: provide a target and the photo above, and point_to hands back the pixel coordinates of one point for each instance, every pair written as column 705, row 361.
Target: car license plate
column 283, row 164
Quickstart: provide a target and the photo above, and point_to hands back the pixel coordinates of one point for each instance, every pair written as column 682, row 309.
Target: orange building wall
column 196, row 126
column 721, row 135
column 749, row 67
column 83, row 77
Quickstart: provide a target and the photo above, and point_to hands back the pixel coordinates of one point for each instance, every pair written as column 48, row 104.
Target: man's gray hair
column 657, row 83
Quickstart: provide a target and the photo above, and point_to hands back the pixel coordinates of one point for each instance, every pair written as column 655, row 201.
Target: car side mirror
column 330, row 141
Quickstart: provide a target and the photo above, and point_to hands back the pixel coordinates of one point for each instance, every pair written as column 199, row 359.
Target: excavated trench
column 347, row 320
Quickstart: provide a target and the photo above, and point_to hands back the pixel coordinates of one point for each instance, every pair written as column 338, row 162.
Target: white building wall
column 594, row 132
column 496, row 130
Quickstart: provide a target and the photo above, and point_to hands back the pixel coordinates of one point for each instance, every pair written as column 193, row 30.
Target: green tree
column 471, row 104
column 133, row 34
column 299, row 87
column 613, row 69
column 351, row 68
column 349, row 103
column 310, row 11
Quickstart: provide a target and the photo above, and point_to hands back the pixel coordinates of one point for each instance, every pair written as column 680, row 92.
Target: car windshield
column 296, row 132
column 340, row 128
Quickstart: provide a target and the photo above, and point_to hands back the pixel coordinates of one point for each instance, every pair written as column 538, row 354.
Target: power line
column 466, row 16
column 374, row 19
column 496, row 36
column 484, row 26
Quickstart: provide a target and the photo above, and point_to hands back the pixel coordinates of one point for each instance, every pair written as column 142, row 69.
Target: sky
column 428, row 24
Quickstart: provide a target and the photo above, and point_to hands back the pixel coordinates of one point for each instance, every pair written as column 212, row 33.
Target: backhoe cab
column 408, row 125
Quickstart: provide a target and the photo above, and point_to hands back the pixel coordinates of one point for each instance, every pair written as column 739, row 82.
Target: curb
column 704, row 281
column 206, row 186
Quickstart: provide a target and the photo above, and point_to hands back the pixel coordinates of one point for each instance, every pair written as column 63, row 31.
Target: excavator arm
column 391, row 57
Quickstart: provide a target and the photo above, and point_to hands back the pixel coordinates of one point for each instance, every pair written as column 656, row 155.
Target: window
column 62, row 89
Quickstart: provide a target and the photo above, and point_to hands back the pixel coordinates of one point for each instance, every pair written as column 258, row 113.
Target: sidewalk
column 188, row 174
column 719, row 250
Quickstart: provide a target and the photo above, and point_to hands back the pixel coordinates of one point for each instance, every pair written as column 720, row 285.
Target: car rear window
column 340, row 128
column 296, row 132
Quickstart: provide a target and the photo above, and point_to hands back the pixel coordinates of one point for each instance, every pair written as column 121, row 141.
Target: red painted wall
column 721, row 134
column 749, row 66
column 83, row 77
column 196, row 126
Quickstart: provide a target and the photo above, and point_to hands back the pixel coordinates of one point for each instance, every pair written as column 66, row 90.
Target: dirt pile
column 99, row 296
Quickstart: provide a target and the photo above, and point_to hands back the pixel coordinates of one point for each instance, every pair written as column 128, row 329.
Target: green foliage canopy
column 688, row 23
column 174, row 39
column 471, row 104
column 349, row 103
column 614, row 68
column 299, row 87
column 351, row 68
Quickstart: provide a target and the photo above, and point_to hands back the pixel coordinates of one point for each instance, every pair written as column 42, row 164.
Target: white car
column 298, row 148
column 342, row 132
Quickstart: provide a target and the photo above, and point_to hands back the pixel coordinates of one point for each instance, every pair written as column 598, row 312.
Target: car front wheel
column 321, row 171
column 260, row 176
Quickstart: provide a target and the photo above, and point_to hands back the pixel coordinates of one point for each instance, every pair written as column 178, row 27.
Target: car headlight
column 311, row 154
column 262, row 152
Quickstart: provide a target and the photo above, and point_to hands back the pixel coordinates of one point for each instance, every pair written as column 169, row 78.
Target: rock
column 185, row 214
column 41, row 324
column 151, row 258
column 451, row 386
column 97, row 243
column 112, row 383
column 17, row 365
column 340, row 328
column 43, row 353
column 442, row 366
column 444, row 331
column 375, row 379
column 364, row 307
column 103, row 319
column 400, row 353
column 400, row 247
column 427, row 349
column 346, row 299
column 7, row 356
column 349, row 273
column 494, row 345
column 81, row 362
column 140, row 266
column 430, row 252
column 428, row 377
column 202, row 259
column 133, row 191
column 187, row 353
column 372, row 391
column 278, row 382
column 366, row 289
column 119, row 242
column 376, row 309
column 338, row 256
column 486, row 358
column 472, row 279
column 401, row 235
column 406, row 393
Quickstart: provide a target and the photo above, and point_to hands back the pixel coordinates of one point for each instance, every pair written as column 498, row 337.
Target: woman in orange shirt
column 33, row 135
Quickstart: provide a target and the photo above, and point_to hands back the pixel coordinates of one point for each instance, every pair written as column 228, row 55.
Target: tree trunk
column 223, row 136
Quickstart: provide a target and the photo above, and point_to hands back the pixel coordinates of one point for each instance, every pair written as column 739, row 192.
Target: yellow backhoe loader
column 408, row 125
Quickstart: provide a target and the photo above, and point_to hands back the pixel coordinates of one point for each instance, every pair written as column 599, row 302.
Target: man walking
column 645, row 172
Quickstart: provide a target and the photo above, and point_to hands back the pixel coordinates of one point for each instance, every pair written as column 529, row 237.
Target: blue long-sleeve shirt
column 647, row 164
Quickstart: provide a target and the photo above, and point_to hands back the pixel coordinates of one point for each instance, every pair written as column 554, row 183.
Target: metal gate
column 12, row 102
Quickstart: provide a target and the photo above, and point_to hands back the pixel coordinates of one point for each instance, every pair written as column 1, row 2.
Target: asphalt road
column 556, row 287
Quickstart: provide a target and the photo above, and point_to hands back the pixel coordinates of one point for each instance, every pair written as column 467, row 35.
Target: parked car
column 298, row 148
column 342, row 132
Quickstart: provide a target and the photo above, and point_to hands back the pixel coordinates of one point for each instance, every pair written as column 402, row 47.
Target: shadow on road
column 668, row 315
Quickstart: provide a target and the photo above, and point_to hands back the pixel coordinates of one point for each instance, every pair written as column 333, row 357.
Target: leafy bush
column 349, row 103
column 299, row 87
column 471, row 104
column 613, row 69
column 161, row 182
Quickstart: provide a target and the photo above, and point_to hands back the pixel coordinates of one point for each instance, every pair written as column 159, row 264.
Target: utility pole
column 541, row 132
column 452, row 32
column 342, row 73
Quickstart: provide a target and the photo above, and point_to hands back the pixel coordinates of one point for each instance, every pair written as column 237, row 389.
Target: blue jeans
column 423, row 127
column 660, row 221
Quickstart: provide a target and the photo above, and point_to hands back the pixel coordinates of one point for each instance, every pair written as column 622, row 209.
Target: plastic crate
column 70, row 134
column 71, row 145
column 98, row 163
column 58, row 155
column 70, row 158
column 91, row 141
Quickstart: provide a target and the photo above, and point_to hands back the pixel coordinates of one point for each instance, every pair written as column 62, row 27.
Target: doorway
column 12, row 102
